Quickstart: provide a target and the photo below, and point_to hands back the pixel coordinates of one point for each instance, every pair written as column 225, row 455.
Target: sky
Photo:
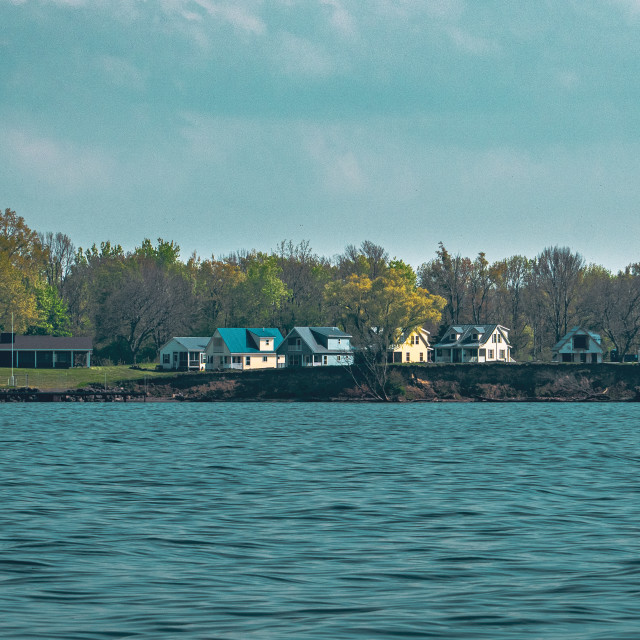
column 494, row 126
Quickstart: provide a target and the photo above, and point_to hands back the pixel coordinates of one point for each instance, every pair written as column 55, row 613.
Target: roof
column 572, row 332
column 467, row 331
column 310, row 336
column 59, row 343
column 330, row 332
column 192, row 343
column 240, row 340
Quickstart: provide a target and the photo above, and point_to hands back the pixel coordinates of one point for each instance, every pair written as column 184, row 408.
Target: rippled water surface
column 322, row 521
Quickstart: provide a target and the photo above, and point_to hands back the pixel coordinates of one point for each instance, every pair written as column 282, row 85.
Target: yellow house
column 413, row 348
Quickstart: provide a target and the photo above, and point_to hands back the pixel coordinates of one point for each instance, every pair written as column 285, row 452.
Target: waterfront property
column 244, row 348
column 316, row 347
column 412, row 347
column 44, row 352
column 474, row 343
column 578, row 345
column 184, row 354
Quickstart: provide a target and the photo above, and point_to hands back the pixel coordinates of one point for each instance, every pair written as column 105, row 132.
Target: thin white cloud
column 341, row 20
column 234, row 14
column 340, row 168
column 63, row 166
column 122, row 73
column 470, row 43
column 632, row 7
column 299, row 56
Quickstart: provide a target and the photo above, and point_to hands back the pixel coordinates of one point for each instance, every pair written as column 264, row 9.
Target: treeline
column 132, row 302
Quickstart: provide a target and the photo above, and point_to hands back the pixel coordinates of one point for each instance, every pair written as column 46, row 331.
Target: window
column 325, row 360
column 339, row 341
column 499, row 337
column 295, row 344
column 501, row 354
column 267, row 342
column 490, row 354
column 217, row 344
column 579, row 342
column 338, row 358
column 247, row 360
column 166, row 358
column 452, row 337
column 482, row 353
column 265, row 359
column 583, row 357
column 408, row 357
column 494, row 338
column 421, row 357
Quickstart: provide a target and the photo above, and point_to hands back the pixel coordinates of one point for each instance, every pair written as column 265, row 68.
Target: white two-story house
column 474, row 343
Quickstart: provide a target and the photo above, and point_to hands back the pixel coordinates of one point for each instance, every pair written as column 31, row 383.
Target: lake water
column 328, row 521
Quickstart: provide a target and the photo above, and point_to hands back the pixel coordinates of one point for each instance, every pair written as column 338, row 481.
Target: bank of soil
column 430, row 383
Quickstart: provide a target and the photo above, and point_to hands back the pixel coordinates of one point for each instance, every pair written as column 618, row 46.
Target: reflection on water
column 319, row 521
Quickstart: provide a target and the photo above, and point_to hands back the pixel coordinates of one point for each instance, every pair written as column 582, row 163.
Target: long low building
column 44, row 352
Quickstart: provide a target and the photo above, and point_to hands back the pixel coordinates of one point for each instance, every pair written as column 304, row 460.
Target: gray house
column 44, row 352
column 578, row 345
column 316, row 347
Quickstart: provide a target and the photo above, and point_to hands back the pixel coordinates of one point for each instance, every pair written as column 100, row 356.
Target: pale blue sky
column 496, row 126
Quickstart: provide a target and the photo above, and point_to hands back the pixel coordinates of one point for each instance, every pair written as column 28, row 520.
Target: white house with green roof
column 316, row 347
column 184, row 354
column 244, row 348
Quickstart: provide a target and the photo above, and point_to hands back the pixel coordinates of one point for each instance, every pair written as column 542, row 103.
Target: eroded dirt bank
column 497, row 383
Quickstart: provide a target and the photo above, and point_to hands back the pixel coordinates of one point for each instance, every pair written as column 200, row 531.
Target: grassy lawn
column 62, row 379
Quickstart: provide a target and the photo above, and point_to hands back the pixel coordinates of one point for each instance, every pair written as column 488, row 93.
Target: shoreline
column 527, row 382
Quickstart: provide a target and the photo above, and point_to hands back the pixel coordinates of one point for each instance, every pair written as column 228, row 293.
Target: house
column 578, row 345
column 184, row 354
column 412, row 347
column 44, row 352
column 316, row 347
column 474, row 343
column 242, row 348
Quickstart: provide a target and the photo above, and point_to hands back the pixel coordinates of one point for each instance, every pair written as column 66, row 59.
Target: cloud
column 632, row 7
column 234, row 14
column 122, row 73
column 299, row 56
column 341, row 20
column 63, row 166
column 340, row 168
column 469, row 43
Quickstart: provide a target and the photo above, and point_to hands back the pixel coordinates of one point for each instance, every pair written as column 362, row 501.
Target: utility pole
column 13, row 382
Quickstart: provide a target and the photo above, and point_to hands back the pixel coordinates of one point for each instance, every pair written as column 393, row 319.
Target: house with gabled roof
column 316, row 347
column 244, row 348
column 412, row 347
column 184, row 354
column 474, row 343
column 578, row 345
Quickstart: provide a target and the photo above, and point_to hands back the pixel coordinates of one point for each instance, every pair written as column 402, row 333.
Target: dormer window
column 474, row 336
column 453, row 336
column 267, row 342
column 580, row 342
